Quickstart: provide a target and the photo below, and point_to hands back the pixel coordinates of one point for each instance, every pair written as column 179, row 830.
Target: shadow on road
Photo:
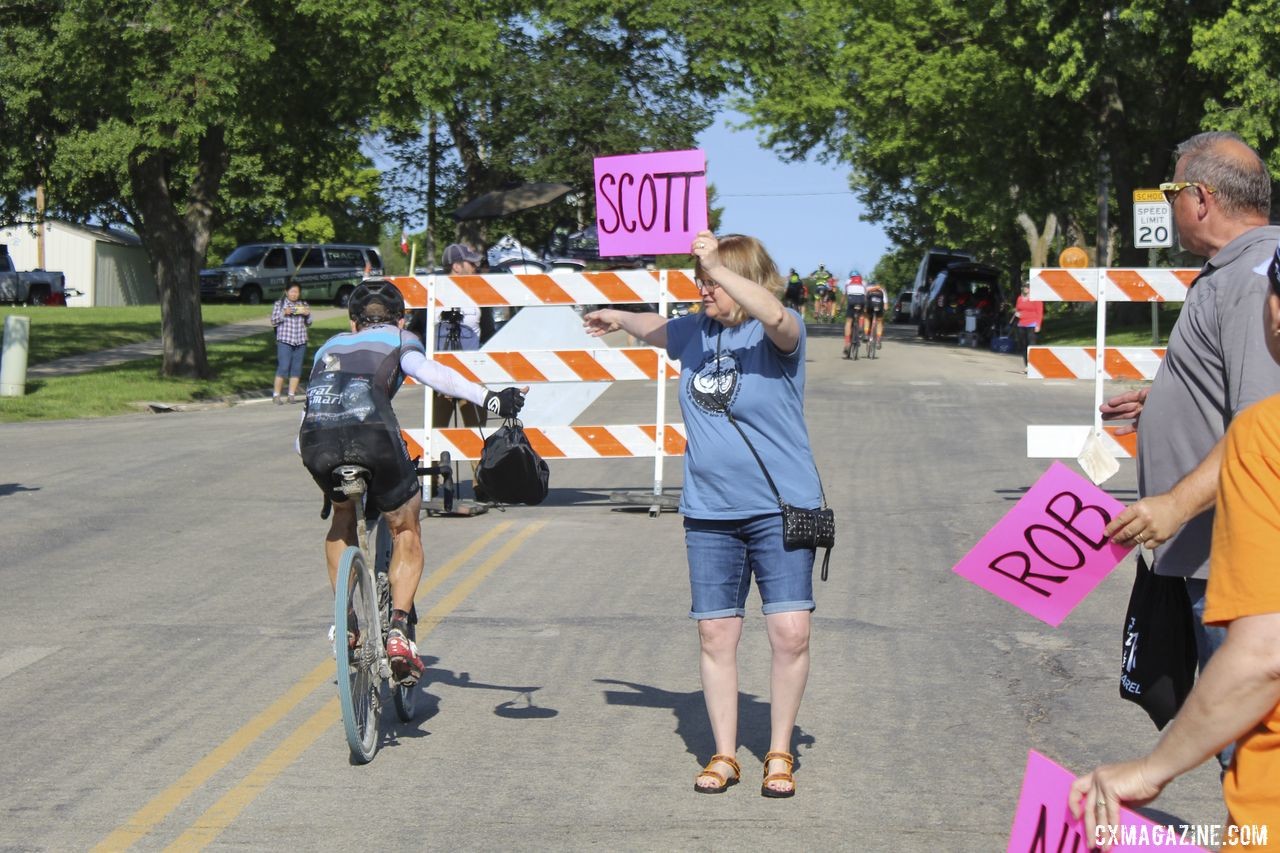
column 7, row 489
column 691, row 718
column 520, row 705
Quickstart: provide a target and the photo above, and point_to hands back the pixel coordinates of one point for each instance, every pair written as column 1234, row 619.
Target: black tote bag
column 1158, row 667
column 510, row 471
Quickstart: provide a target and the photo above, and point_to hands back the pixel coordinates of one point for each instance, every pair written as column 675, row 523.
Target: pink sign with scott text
column 1048, row 552
column 1043, row 822
column 650, row 204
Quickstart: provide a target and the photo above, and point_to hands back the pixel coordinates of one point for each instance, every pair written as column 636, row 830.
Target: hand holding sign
column 706, row 248
column 1050, row 550
column 1044, row 822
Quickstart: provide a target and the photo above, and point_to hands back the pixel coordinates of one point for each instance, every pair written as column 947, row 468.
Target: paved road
column 164, row 678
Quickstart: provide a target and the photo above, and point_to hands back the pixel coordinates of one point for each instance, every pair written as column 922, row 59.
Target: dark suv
column 959, row 288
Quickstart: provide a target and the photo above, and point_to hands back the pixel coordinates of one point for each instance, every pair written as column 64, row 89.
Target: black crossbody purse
column 801, row 528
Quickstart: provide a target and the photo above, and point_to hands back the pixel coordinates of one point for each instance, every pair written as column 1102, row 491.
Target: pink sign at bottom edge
column 1043, row 822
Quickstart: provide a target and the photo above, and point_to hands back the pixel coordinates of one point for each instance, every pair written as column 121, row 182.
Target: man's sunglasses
column 1171, row 189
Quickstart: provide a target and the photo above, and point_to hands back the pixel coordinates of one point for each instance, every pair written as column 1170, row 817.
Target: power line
column 754, row 195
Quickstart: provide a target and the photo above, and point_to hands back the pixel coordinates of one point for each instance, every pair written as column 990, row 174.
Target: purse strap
column 729, row 414
column 826, row 558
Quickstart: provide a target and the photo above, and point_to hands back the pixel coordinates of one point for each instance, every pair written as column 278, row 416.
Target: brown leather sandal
column 724, row 783
column 765, row 790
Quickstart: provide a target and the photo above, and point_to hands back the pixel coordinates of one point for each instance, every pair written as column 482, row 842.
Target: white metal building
column 107, row 266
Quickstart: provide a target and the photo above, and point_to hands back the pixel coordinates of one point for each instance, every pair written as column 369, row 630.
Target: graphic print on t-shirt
column 714, row 385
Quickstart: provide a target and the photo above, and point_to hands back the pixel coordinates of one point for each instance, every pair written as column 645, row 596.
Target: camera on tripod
column 451, row 315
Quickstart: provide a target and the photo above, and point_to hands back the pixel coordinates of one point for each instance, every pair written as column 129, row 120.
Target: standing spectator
column 457, row 329
column 1216, row 365
column 463, row 331
column 291, row 317
column 1028, row 313
column 1238, row 695
column 743, row 355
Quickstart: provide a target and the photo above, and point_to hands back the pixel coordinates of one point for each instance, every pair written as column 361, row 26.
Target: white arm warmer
column 441, row 378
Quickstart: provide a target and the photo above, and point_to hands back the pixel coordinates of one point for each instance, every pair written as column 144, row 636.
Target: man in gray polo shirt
column 1216, row 364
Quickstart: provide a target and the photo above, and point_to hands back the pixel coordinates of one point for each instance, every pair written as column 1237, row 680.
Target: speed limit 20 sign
column 1152, row 220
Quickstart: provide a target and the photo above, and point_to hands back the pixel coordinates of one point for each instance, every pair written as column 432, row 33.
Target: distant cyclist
column 349, row 420
column 794, row 297
column 873, row 321
column 855, row 303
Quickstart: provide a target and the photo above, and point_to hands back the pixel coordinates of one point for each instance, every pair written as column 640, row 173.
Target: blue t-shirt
column 764, row 388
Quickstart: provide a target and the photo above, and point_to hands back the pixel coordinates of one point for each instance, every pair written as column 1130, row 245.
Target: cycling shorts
column 875, row 310
column 856, row 302
column 349, row 423
column 375, row 446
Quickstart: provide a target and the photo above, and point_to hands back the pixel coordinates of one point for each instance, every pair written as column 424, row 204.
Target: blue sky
column 803, row 212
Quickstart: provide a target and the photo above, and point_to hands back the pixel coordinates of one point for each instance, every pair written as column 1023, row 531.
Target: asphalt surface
column 165, row 680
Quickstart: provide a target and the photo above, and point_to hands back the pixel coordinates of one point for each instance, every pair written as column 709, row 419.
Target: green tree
column 568, row 81
column 171, row 116
column 955, row 116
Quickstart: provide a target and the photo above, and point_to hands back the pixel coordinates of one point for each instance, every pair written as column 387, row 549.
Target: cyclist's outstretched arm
column 505, row 403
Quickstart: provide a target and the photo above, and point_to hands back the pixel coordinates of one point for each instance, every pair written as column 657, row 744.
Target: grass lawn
column 59, row 332
column 1068, row 327
column 246, row 365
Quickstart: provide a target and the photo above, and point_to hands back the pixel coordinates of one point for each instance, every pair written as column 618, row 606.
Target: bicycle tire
column 857, row 344
column 358, row 682
column 871, row 345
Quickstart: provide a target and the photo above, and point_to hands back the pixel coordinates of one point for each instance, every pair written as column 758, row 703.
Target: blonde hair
column 747, row 257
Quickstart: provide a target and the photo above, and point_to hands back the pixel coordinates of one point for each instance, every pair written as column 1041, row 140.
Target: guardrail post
column 13, row 362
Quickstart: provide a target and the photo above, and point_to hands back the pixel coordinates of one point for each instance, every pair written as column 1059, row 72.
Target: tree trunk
column 176, row 245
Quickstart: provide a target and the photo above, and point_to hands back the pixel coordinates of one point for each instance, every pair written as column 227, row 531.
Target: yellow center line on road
column 219, row 816
column 163, row 804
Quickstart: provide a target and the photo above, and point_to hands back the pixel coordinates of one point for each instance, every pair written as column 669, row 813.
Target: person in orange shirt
column 1237, row 696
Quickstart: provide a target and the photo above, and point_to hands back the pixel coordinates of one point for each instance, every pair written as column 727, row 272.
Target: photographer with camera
column 459, row 328
column 349, row 420
column 291, row 317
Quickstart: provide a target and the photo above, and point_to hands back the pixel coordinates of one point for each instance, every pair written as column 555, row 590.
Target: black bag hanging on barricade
column 1158, row 668
column 510, row 471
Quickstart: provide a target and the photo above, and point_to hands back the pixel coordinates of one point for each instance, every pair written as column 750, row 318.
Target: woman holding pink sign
column 742, row 397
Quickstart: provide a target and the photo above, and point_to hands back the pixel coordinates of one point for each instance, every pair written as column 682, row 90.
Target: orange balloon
column 1073, row 257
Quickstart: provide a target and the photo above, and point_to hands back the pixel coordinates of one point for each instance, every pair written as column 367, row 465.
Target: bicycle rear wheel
column 356, row 606
column 871, row 345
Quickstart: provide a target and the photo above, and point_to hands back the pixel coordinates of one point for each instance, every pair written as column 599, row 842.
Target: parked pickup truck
column 38, row 287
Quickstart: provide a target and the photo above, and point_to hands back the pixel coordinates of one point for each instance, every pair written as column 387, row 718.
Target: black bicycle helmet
column 375, row 301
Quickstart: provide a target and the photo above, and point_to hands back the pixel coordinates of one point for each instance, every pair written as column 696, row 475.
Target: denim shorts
column 289, row 359
column 725, row 553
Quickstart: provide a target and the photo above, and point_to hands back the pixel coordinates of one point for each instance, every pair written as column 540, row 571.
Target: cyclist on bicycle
column 349, row 420
column 877, row 299
column 855, row 302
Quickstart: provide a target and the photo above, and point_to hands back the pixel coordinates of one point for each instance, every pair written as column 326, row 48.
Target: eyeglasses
column 705, row 285
column 1170, row 190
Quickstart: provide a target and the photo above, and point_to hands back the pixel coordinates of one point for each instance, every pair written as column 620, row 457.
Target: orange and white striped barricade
column 561, row 365
column 1099, row 362
column 1120, row 363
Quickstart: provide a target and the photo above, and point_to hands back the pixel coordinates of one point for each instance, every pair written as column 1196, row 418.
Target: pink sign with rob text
column 650, row 204
column 1048, row 552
